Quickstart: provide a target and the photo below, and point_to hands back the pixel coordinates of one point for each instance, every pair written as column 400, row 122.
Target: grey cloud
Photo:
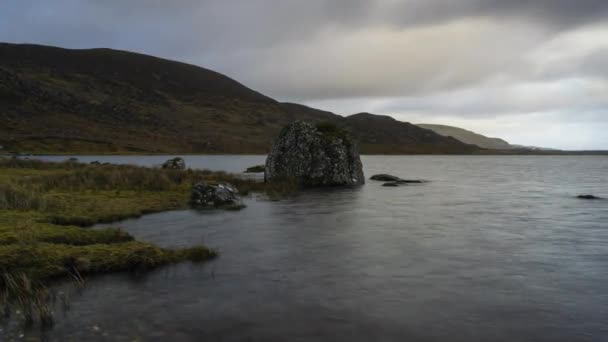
column 470, row 59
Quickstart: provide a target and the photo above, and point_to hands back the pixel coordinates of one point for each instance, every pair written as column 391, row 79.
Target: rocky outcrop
column 215, row 196
column 175, row 164
column 321, row 155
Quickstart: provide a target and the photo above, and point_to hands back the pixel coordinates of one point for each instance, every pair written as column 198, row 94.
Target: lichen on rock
column 321, row 155
column 223, row 195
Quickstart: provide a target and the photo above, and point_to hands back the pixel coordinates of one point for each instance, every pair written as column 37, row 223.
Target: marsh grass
column 31, row 300
column 43, row 205
column 279, row 189
column 36, row 164
column 46, row 190
column 21, row 198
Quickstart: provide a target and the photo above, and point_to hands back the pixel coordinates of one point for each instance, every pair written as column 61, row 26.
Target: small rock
column 256, row 169
column 95, row 162
column 390, row 178
column 393, row 184
column 385, row 178
column 588, row 197
column 177, row 163
column 215, row 196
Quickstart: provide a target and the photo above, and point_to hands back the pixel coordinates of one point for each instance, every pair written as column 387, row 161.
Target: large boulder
column 321, row 155
column 175, row 164
column 222, row 195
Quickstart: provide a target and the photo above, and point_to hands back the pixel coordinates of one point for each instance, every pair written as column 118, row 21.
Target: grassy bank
column 43, row 207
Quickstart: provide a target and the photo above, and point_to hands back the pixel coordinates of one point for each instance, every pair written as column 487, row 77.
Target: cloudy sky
column 534, row 72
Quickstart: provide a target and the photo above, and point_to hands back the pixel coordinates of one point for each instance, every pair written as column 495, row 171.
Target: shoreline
column 44, row 207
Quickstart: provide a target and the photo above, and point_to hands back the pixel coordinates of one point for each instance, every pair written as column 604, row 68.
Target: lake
column 493, row 248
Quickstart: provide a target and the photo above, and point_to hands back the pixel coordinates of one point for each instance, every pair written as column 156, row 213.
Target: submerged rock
column 385, row 178
column 390, row 178
column 95, row 162
column 393, row 184
column 256, row 169
column 588, row 197
column 321, row 155
column 222, row 195
column 177, row 163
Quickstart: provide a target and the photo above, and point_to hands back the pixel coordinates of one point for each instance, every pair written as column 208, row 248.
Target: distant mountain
column 469, row 137
column 533, row 148
column 56, row 100
column 383, row 134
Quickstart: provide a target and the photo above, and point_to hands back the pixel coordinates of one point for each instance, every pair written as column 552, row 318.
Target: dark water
column 493, row 249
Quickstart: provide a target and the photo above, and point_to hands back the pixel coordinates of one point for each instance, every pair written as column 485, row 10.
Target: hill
column 55, row 100
column 381, row 134
column 469, row 137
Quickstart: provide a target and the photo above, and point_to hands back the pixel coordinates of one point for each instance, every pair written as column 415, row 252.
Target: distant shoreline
column 480, row 153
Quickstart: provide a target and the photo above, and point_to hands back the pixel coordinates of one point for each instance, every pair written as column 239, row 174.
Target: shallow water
column 492, row 249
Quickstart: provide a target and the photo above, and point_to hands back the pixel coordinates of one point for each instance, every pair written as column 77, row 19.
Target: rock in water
column 385, row 178
column 390, row 178
column 215, row 196
column 256, row 169
column 175, row 163
column 322, row 155
column 588, row 197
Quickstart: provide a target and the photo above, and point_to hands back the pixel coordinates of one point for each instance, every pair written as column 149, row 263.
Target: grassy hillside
column 381, row 134
column 468, row 137
column 55, row 100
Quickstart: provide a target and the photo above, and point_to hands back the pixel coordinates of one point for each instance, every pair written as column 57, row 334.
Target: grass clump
column 48, row 260
column 256, row 169
column 331, row 130
column 17, row 198
column 278, row 189
column 30, row 299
